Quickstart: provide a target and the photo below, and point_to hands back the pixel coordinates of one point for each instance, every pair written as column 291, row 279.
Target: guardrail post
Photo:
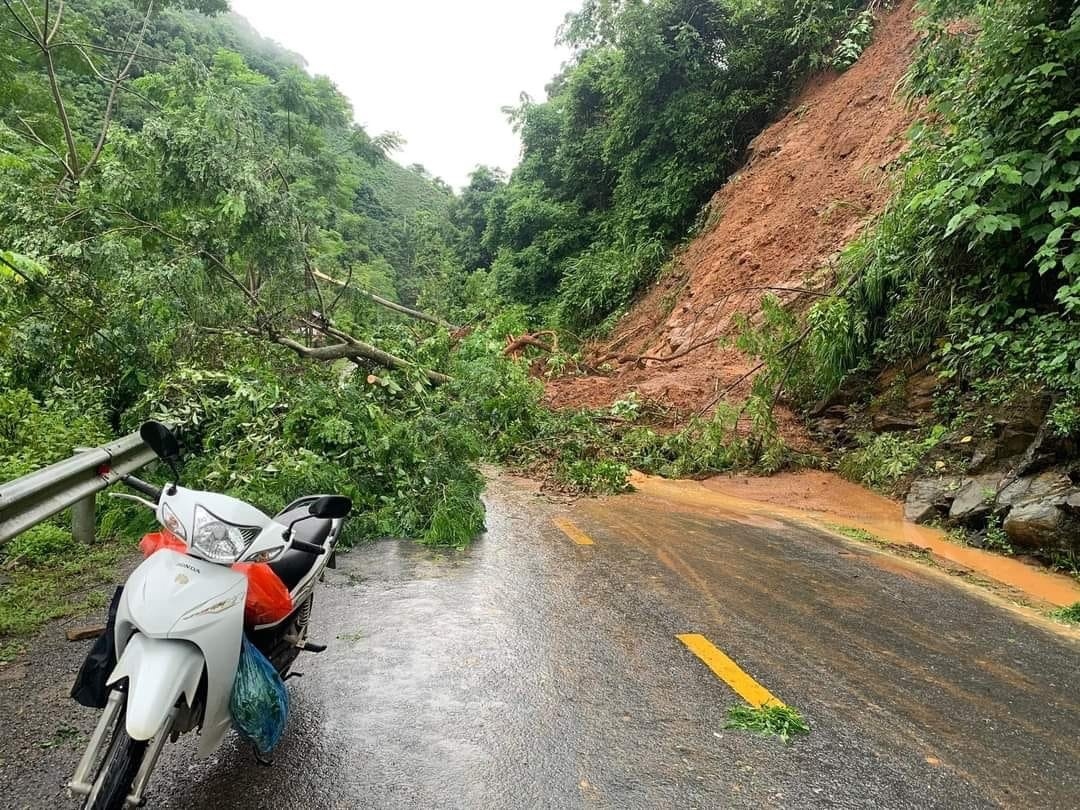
column 83, row 514
column 83, row 521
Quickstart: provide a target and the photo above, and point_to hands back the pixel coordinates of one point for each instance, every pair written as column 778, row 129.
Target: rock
column 1020, row 424
column 1047, row 485
column 919, row 391
column 1043, row 511
column 830, row 426
column 1042, row 524
column 1013, row 439
column 929, row 498
column 1046, row 448
column 845, row 395
column 978, row 461
column 887, row 423
column 975, row 499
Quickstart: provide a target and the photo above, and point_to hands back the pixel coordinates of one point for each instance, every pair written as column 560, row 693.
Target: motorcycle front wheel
column 118, row 770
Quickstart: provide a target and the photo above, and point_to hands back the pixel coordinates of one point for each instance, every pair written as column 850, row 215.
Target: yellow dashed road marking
column 728, row 671
column 573, row 532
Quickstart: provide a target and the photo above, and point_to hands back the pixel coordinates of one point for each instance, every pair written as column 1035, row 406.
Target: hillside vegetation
column 643, row 125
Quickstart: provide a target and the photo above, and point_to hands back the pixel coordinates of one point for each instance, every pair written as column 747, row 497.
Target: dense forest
column 650, row 117
column 194, row 227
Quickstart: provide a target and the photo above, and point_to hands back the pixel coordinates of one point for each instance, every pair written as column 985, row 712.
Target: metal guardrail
column 69, row 484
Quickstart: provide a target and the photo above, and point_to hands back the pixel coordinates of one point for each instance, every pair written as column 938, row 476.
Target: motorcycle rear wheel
column 118, row 770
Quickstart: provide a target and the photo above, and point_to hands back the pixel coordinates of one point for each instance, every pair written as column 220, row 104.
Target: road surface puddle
column 825, row 500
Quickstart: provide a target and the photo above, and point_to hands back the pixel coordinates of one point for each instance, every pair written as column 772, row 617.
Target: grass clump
column 67, row 583
column 782, row 721
column 1069, row 614
column 850, row 532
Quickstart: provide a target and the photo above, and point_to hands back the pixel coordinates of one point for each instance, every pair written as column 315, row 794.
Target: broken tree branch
column 515, row 345
column 355, row 350
column 383, row 302
column 641, row 358
column 121, row 75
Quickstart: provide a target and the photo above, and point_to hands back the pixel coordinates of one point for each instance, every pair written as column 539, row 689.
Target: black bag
column 90, row 689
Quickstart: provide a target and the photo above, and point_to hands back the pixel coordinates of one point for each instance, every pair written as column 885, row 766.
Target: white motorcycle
column 180, row 621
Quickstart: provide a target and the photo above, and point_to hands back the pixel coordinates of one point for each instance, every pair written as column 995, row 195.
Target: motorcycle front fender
column 174, row 597
column 158, row 672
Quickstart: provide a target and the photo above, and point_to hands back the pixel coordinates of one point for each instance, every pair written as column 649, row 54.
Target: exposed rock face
column 887, row 423
column 1047, row 485
column 1039, row 511
column 975, row 499
column 919, row 390
column 929, row 498
column 1042, row 524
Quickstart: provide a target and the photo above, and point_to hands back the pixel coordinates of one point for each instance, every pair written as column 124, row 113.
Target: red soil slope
column 813, row 179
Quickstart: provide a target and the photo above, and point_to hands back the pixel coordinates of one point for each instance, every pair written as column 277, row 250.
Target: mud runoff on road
column 534, row 670
column 826, row 500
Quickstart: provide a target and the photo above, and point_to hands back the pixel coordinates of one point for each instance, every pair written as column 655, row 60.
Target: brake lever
column 128, row 497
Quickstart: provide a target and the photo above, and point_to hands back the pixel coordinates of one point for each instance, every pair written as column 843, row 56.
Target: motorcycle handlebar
column 310, row 548
column 147, row 489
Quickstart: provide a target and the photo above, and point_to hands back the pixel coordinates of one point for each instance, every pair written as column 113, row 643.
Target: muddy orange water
column 821, row 499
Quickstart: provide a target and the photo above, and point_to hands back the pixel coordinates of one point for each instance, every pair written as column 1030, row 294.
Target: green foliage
column 38, row 545
column 817, row 24
column 401, row 453
column 883, row 459
column 850, row 47
column 601, row 280
column 1069, row 614
column 996, row 538
column 36, row 432
column 976, row 258
column 589, row 452
column 784, row 722
column 638, row 131
column 156, row 278
column 602, row 477
column 66, row 583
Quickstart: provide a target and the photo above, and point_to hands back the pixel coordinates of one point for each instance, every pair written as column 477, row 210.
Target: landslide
column 811, row 181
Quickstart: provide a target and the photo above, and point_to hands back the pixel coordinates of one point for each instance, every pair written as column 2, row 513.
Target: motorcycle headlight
column 217, row 541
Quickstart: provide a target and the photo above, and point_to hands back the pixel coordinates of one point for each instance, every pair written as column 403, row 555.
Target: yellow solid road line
column 573, row 532
column 728, row 671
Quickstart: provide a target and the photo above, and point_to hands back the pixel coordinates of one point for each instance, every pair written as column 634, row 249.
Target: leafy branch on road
column 782, row 721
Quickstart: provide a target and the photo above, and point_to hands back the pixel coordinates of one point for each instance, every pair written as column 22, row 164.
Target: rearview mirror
column 330, row 507
column 161, row 440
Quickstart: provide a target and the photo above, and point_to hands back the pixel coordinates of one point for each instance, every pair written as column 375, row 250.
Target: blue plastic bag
column 259, row 701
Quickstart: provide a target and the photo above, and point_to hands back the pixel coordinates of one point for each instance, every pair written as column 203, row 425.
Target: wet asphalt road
column 532, row 672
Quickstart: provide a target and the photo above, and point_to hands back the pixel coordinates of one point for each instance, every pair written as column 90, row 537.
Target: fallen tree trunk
column 515, row 345
column 352, row 349
column 388, row 304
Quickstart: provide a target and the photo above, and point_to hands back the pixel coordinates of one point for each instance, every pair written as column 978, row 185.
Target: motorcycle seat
column 293, row 565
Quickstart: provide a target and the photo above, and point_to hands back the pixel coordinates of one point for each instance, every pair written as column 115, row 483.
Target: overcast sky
column 436, row 72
